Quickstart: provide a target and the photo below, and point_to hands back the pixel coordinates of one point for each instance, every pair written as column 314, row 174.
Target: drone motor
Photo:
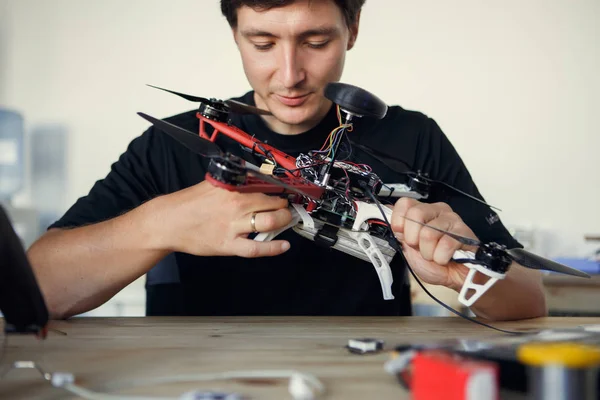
column 421, row 186
column 494, row 257
column 215, row 110
column 227, row 170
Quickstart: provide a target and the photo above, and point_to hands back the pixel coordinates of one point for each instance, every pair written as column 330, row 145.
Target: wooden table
column 100, row 351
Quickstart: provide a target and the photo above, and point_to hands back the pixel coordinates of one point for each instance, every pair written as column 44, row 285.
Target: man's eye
column 263, row 47
column 318, row 45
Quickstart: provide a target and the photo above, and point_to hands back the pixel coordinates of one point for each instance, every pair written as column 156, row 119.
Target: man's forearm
column 519, row 295
column 79, row 269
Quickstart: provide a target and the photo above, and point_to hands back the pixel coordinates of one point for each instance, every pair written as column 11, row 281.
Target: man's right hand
column 79, row 269
column 206, row 220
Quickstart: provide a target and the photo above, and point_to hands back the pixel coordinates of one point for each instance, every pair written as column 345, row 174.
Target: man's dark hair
column 350, row 8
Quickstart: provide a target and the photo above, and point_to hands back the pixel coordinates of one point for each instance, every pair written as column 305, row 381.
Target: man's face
column 289, row 54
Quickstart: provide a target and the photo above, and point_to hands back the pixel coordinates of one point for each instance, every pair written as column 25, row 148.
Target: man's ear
column 353, row 32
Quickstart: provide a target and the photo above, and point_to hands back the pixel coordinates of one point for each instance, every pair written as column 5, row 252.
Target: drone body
column 333, row 201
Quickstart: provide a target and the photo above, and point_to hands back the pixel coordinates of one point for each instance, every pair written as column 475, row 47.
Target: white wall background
column 515, row 85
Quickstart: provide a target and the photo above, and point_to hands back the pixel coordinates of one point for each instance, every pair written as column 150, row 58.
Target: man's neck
column 287, row 129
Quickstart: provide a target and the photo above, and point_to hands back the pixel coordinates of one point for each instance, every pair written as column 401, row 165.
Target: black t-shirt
column 307, row 279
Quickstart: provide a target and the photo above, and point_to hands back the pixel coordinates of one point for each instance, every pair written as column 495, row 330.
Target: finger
column 399, row 212
column 421, row 214
column 250, row 202
column 411, row 255
column 445, row 249
column 429, row 238
column 447, row 245
column 265, row 221
column 251, row 249
column 399, row 236
column 266, row 202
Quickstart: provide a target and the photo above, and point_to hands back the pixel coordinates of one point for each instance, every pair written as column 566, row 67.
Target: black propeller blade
column 425, row 178
column 520, row 256
column 403, row 168
column 234, row 105
column 243, row 108
column 190, row 140
column 464, row 240
column 533, row 261
column 185, row 96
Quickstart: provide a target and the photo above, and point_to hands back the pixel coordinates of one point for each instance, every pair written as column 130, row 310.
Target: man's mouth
column 292, row 101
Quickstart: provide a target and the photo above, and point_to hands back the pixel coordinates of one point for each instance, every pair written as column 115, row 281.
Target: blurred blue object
column 582, row 264
column 11, row 154
column 48, row 177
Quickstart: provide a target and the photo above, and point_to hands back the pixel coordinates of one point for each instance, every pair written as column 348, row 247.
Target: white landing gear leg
column 470, row 285
column 296, row 217
column 370, row 248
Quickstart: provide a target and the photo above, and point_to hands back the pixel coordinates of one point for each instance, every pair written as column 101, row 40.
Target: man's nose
column 292, row 68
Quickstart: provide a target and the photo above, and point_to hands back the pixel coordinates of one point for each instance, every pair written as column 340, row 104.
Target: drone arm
column 257, row 185
column 285, row 160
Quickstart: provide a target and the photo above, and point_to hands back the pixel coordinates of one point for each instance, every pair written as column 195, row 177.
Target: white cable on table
column 301, row 386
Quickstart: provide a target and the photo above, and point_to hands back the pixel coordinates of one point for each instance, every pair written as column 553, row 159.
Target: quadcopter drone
column 333, row 201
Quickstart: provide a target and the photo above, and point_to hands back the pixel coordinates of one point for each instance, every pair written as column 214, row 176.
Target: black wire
column 392, row 189
column 398, row 247
column 349, row 146
column 57, row 331
column 307, row 166
column 268, row 154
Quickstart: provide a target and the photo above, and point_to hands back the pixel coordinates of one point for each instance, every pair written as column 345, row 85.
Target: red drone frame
column 292, row 180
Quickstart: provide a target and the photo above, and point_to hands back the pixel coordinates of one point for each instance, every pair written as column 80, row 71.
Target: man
column 154, row 212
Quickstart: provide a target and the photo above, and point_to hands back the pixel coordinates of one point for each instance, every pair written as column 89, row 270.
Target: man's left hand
column 429, row 251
